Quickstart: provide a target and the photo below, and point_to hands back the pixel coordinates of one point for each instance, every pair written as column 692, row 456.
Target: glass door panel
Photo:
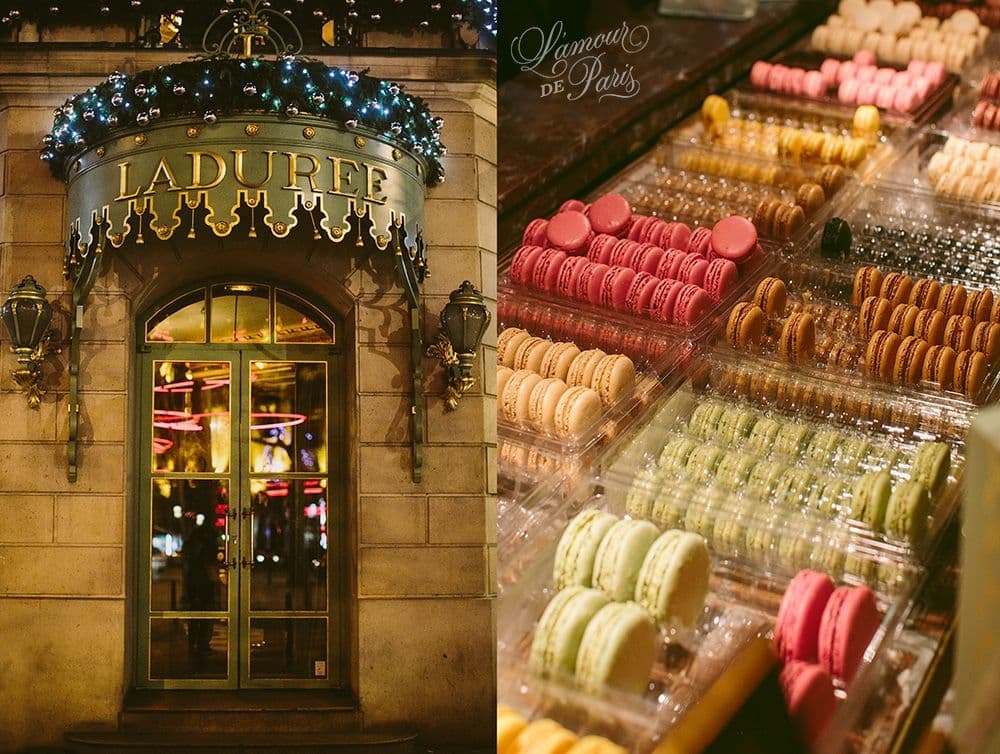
column 189, row 648
column 191, row 409
column 289, row 565
column 288, row 417
column 288, row 648
column 189, row 552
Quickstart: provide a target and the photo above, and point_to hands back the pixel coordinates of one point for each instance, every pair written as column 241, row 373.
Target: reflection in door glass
column 188, row 648
column 191, row 417
column 288, row 648
column 288, row 417
column 241, row 313
column 189, row 545
column 289, row 544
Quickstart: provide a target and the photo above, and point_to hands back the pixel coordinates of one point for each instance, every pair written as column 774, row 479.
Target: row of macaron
column 792, row 143
column 858, row 81
column 988, row 11
column 564, row 323
column 830, row 178
column 821, row 633
column 898, row 509
column 954, row 42
column 899, row 288
column 959, row 170
column 515, row 735
column 611, row 376
column 832, row 400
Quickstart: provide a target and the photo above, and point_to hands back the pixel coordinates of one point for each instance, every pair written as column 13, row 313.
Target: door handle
column 233, row 564
column 246, row 562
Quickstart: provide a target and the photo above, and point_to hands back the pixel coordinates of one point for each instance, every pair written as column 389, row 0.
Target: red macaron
column 721, row 277
column 796, row 630
column 734, row 238
column 670, row 265
column 692, row 304
column 693, row 269
column 664, row 299
column 569, row 275
column 523, row 264
column 546, row 271
column 640, row 292
column 808, row 692
column 600, row 248
column 569, row 231
column 610, row 213
column 534, row 234
column 850, row 620
column 572, row 205
column 614, row 288
column 647, row 259
column 700, row 242
column 624, row 252
column 588, row 284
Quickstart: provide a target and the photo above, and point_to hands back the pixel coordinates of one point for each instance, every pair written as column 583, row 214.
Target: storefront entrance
column 240, row 492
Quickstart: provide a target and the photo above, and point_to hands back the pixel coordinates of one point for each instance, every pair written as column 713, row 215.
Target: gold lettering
column 168, row 177
column 238, row 155
column 294, row 173
column 220, row 167
column 375, row 177
column 340, row 177
column 123, row 183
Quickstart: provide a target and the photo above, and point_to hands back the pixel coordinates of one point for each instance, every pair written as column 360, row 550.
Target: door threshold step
column 368, row 742
column 243, row 700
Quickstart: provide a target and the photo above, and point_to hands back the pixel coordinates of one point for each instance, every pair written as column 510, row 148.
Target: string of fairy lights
column 212, row 87
column 351, row 19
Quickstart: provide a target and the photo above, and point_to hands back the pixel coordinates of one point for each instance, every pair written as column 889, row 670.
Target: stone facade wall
column 423, row 555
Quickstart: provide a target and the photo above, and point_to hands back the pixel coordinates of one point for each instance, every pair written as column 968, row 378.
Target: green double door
column 240, row 517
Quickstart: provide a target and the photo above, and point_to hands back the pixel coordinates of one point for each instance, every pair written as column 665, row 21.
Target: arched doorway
column 240, row 491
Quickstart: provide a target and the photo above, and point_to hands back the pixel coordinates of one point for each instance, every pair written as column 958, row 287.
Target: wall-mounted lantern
column 464, row 320
column 26, row 315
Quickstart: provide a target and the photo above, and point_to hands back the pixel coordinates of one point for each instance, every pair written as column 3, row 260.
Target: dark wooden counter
column 552, row 149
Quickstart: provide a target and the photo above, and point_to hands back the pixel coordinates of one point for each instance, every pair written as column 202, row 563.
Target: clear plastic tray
column 810, row 116
column 528, row 454
column 825, row 288
column 741, row 607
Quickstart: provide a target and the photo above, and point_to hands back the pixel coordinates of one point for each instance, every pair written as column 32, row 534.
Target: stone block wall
column 423, row 555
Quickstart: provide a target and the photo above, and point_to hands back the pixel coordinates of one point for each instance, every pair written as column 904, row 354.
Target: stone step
column 369, row 742
column 252, row 712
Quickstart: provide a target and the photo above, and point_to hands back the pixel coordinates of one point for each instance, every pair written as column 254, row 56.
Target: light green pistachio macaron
column 577, row 548
column 673, row 580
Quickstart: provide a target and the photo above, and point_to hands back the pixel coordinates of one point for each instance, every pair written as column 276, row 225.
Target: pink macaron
column 692, row 304
column 923, row 87
column 867, row 93
column 935, row 72
column 670, row 265
column 573, row 205
column 734, row 238
column 813, row 84
column 795, row 80
column 848, row 70
column 865, row 73
column 680, row 237
column 916, row 67
column 864, row 57
column 640, row 291
column 569, row 230
column 614, row 288
column 905, row 100
column 884, row 75
column 721, row 277
column 588, row 284
column 624, row 252
column 886, row 97
column 647, row 259
column 637, row 226
column 829, row 69
column 809, row 696
column 534, row 234
column 569, row 276
column 610, row 214
column 776, row 77
column 850, row 620
column 701, row 241
column 664, row 299
column 759, row 73
column 796, row 629
column 847, row 92
column 600, row 248
column 546, row 271
column 693, row 269
column 523, row 264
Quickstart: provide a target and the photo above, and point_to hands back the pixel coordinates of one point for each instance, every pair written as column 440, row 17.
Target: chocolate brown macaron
column 904, row 319
column 896, row 287
column 939, row 366
column 771, row 295
column 909, row 364
column 930, row 326
column 798, row 337
column 867, row 282
column 958, row 332
column 951, row 300
column 745, row 327
column 880, row 357
column 874, row 315
column 979, row 305
column 810, row 196
column 925, row 293
column 986, row 340
column 970, row 373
